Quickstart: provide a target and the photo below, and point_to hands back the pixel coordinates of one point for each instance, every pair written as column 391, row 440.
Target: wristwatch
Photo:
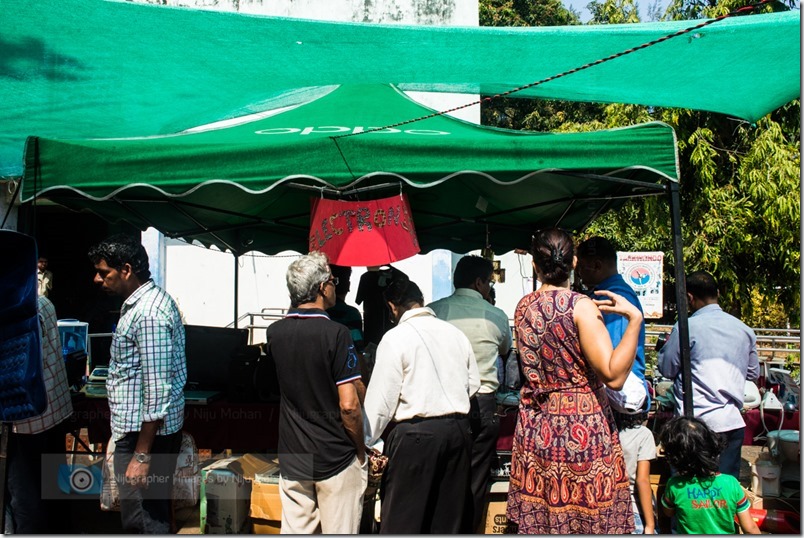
column 142, row 457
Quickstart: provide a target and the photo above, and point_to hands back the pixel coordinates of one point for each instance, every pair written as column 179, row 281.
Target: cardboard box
column 264, row 526
column 226, row 493
column 266, row 508
column 225, row 498
column 495, row 518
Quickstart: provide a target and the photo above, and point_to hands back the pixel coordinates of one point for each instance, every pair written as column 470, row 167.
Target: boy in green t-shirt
column 703, row 500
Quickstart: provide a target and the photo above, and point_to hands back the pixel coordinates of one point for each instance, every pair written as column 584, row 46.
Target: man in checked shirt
column 147, row 373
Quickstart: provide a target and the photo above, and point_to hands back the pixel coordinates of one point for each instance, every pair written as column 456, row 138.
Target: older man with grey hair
column 322, row 458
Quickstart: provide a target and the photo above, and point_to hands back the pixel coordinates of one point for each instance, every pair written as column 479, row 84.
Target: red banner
column 363, row 234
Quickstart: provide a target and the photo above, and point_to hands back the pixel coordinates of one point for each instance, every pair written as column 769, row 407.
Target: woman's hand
column 617, row 304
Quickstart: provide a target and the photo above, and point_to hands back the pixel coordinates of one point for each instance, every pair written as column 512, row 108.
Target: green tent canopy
column 248, row 186
column 94, row 68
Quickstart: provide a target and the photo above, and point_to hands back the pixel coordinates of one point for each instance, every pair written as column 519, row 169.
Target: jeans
column 149, row 510
column 32, row 461
column 731, row 456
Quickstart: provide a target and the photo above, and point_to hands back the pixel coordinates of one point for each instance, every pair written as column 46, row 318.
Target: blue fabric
column 22, row 388
column 617, row 324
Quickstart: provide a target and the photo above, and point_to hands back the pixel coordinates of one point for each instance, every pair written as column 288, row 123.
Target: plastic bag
column 513, row 372
column 186, row 479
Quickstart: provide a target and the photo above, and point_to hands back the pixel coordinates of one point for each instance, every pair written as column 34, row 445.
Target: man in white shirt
column 487, row 329
column 44, row 276
column 423, row 378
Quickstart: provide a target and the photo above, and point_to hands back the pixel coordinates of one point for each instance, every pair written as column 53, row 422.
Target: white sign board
column 643, row 272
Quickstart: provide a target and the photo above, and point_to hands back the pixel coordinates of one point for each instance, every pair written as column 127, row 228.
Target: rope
column 739, row 11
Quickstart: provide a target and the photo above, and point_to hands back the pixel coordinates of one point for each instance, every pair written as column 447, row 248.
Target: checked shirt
column 148, row 367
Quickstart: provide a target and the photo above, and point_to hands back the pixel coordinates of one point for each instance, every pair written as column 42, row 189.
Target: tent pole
column 236, row 280
column 681, row 298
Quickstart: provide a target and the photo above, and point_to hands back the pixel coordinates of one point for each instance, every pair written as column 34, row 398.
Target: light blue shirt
column 486, row 327
column 723, row 354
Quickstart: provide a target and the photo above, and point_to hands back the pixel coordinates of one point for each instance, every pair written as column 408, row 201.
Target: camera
column 661, row 341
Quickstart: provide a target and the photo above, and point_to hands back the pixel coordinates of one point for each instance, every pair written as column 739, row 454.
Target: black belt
column 416, row 420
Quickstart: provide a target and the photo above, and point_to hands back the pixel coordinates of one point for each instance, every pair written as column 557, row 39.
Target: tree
column 526, row 13
column 531, row 114
column 613, row 12
column 739, row 181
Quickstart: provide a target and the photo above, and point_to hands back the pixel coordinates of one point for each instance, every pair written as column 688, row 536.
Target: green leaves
column 613, row 12
column 740, row 183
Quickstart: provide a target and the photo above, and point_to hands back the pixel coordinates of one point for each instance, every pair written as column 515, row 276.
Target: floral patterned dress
column 567, row 469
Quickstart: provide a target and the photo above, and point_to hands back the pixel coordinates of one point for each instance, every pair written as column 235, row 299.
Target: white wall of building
column 411, row 12
column 202, row 281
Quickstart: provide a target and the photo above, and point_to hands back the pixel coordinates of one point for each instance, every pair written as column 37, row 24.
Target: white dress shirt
column 425, row 367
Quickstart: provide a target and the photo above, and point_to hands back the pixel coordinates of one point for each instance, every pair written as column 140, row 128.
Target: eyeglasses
column 334, row 281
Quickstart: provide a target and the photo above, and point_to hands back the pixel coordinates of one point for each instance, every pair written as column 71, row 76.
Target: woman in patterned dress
column 567, row 468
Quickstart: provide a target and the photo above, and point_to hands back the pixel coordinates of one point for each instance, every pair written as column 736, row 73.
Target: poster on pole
column 643, row 272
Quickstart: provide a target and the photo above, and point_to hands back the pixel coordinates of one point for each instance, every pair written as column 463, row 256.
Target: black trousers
column 485, row 429
column 426, row 486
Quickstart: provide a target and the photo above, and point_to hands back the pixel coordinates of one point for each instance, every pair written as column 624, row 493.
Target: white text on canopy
column 339, row 129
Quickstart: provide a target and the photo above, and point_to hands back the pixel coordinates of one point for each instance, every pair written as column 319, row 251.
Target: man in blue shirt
column 723, row 355
column 597, row 267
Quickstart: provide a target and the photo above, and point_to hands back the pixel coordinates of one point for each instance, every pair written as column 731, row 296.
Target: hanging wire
column 739, row 11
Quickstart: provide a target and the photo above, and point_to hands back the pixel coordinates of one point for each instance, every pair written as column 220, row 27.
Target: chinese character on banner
column 363, row 234
column 643, row 272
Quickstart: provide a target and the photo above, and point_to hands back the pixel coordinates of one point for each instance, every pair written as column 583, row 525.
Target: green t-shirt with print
column 705, row 505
